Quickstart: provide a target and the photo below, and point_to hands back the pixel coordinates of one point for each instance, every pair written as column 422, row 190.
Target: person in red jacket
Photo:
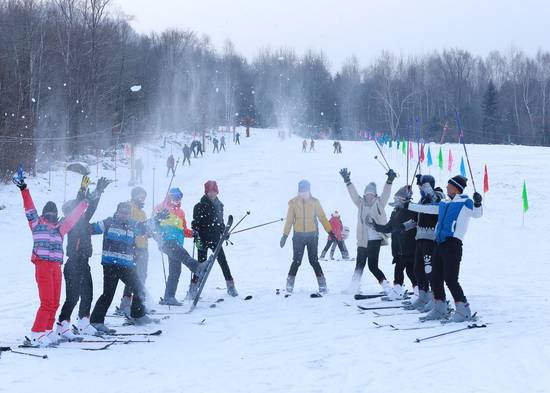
column 47, row 255
column 337, row 239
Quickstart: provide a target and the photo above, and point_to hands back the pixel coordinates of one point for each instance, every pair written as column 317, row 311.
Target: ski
column 377, row 308
column 211, row 262
column 469, row 327
column 473, row 318
column 394, row 327
column 365, row 297
column 102, row 348
column 156, row 333
column 379, row 314
column 315, row 295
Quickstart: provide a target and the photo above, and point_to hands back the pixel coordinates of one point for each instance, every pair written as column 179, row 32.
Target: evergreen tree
column 489, row 106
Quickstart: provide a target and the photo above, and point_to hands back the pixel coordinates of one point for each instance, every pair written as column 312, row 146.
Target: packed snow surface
column 298, row 344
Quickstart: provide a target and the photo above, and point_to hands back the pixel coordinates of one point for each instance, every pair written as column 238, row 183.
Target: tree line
column 76, row 78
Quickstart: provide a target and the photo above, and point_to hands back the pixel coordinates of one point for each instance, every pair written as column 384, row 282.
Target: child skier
column 338, row 240
column 47, row 255
column 370, row 209
column 453, row 218
column 303, row 213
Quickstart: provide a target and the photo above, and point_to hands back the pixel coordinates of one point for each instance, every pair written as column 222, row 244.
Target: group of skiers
column 426, row 240
column 124, row 255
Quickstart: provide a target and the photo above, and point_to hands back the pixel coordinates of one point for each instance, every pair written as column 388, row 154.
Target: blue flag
column 430, row 162
column 462, row 167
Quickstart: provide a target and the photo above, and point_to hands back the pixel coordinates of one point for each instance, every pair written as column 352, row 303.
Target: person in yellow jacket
column 303, row 214
column 141, row 252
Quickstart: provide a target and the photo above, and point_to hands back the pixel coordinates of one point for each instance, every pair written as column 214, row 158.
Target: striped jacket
column 119, row 240
column 48, row 237
column 175, row 226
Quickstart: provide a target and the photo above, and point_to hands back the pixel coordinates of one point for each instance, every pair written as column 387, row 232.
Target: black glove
column 345, row 175
column 195, row 234
column 391, row 176
column 398, row 229
column 162, row 215
column 102, row 184
column 19, row 182
column 477, row 199
column 379, row 228
column 283, row 241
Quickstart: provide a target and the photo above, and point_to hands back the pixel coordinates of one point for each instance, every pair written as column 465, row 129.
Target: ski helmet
column 426, row 179
column 137, row 191
column 175, row 194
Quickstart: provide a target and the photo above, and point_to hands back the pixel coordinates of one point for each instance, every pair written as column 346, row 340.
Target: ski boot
column 102, row 329
column 144, row 320
column 438, row 312
column 419, row 304
column 290, row 283
column 396, row 293
column 125, row 306
column 462, row 313
column 84, row 327
column 323, row 290
column 169, row 301
column 386, row 287
column 200, row 271
column 231, row 290
column 38, row 340
column 65, row 333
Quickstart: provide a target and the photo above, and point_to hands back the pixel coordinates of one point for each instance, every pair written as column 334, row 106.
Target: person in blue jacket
column 452, row 223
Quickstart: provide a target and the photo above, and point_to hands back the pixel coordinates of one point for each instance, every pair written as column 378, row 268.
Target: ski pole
column 469, row 327
column 461, row 137
column 381, row 163
column 381, row 153
column 257, row 226
column 241, row 220
column 8, row 349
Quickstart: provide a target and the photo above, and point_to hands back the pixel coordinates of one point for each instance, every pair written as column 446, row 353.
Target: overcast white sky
column 360, row 27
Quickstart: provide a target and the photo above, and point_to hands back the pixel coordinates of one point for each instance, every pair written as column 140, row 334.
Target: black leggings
column 403, row 263
column 370, row 253
column 301, row 241
column 423, row 263
column 78, row 285
column 111, row 275
column 446, row 268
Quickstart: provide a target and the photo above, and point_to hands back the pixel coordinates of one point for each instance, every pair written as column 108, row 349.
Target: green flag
column 403, row 147
column 524, row 197
column 440, row 159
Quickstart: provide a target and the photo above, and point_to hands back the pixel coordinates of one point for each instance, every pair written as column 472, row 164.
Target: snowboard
column 211, row 262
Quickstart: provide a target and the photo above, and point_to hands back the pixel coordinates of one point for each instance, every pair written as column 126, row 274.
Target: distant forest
column 70, row 72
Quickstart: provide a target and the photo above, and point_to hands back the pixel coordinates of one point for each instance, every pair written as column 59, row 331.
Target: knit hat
column 422, row 179
column 211, row 186
column 175, row 194
column 304, row 186
column 137, row 191
column 401, row 196
column 459, row 182
column 49, row 207
column 335, row 214
column 370, row 189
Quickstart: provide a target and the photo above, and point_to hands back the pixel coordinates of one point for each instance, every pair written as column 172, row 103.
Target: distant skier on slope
column 370, row 209
column 312, row 145
column 337, row 240
column 304, row 146
column 215, row 142
column 186, row 154
column 47, row 256
column 170, row 165
column 453, row 218
column 303, row 213
column 222, row 143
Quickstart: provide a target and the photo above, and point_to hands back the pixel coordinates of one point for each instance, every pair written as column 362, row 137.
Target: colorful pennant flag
column 410, row 150
column 430, row 161
column 403, row 146
column 440, row 159
column 485, row 180
column 462, row 167
column 422, row 157
column 450, row 162
column 524, row 197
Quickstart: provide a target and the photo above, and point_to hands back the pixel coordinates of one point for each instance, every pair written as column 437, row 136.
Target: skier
column 194, row 148
column 425, row 236
column 403, row 245
column 311, row 145
column 47, row 255
column 208, row 226
column 139, row 171
column 237, row 138
column 303, row 213
column 78, row 278
column 170, row 164
column 336, row 148
column 222, row 143
column 304, row 146
column 452, row 223
column 117, row 259
column 141, row 252
column 199, row 148
column 370, row 209
column 186, row 154
column 173, row 230
column 338, row 240
column 215, row 143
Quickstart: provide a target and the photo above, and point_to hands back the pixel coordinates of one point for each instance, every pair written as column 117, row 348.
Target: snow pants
column 48, row 279
column 446, row 268
column 177, row 255
column 402, row 264
column 111, row 275
column 370, row 253
column 141, row 258
column 78, row 286
column 188, row 159
column 423, row 263
column 332, row 245
column 301, row 241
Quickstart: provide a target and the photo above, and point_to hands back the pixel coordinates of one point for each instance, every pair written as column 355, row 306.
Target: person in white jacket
column 370, row 209
column 453, row 217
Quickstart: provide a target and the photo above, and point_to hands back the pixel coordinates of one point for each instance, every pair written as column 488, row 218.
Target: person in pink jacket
column 47, row 255
column 337, row 239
